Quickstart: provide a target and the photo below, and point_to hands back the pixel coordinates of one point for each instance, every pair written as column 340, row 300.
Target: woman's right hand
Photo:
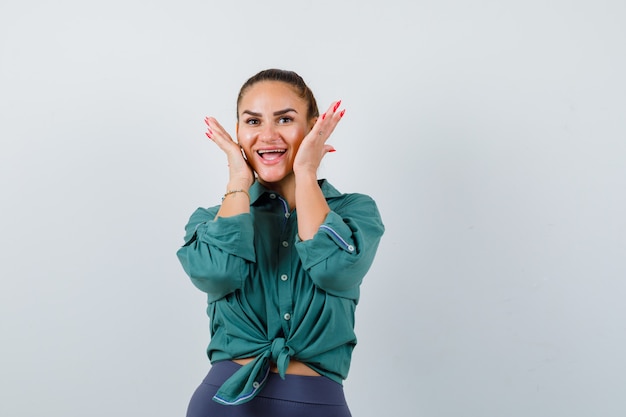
column 240, row 173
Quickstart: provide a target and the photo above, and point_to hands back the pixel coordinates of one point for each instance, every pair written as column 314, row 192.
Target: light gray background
column 491, row 133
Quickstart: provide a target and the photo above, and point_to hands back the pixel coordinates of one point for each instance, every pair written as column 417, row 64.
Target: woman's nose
column 269, row 133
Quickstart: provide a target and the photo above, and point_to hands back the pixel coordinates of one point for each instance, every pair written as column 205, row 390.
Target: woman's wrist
column 305, row 176
column 236, row 191
column 239, row 185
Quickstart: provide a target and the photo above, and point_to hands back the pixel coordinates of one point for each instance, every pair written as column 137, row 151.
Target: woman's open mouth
column 271, row 155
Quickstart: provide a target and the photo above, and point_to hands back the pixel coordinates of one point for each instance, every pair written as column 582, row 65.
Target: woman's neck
column 285, row 187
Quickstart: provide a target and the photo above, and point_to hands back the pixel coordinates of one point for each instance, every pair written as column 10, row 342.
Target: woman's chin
column 265, row 177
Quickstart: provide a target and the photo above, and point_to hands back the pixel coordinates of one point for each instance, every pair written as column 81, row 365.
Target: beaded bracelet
column 235, row 191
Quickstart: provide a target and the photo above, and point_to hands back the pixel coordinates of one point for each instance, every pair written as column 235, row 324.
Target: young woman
column 281, row 260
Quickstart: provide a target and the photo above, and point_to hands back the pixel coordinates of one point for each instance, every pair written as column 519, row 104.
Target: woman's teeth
column 271, row 154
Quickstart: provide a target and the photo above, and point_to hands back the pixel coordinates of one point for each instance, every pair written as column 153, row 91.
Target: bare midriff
column 295, row 367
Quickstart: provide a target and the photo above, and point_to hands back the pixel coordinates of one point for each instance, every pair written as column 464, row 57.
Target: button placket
column 285, row 279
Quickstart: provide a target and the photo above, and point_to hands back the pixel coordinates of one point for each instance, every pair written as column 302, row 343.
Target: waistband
column 298, row 388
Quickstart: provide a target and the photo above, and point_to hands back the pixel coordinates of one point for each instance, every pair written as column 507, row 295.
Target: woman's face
column 272, row 123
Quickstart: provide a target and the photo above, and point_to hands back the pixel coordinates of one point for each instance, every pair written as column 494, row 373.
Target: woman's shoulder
column 352, row 204
column 331, row 193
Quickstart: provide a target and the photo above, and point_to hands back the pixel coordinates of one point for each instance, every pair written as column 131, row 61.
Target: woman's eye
column 284, row 120
column 252, row 121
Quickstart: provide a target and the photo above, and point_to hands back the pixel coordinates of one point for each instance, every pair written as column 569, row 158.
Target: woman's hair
column 289, row 78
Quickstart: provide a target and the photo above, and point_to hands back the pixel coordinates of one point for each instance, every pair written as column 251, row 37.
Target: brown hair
column 287, row 77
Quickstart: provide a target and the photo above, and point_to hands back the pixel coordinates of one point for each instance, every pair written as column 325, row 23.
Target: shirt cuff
column 233, row 235
column 333, row 234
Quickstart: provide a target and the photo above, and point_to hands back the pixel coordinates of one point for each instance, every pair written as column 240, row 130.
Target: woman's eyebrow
column 276, row 113
column 281, row 112
column 251, row 113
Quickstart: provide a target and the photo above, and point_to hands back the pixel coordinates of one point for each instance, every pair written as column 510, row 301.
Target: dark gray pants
column 301, row 396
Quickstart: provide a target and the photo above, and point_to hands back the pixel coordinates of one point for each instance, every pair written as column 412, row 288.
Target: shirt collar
column 257, row 190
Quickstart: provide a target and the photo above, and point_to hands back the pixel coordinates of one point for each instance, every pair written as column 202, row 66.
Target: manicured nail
column 323, row 116
column 333, row 150
column 342, row 113
column 337, row 106
column 208, row 136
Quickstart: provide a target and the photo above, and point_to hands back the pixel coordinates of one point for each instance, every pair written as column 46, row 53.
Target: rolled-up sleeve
column 342, row 251
column 217, row 251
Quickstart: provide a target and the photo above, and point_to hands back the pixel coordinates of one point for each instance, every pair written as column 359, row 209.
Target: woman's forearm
column 311, row 205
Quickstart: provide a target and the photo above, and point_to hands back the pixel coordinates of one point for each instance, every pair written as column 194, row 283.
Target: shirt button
column 285, row 243
column 351, row 248
column 287, row 316
column 287, row 215
column 272, row 196
column 284, row 277
column 255, row 385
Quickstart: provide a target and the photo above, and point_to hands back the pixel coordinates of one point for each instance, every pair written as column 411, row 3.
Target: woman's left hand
column 313, row 146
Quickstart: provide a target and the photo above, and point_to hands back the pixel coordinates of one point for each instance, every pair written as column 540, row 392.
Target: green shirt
column 273, row 296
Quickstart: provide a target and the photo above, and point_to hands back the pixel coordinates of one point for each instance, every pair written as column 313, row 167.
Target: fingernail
column 208, row 136
column 337, row 106
column 342, row 113
column 323, row 116
column 333, row 150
